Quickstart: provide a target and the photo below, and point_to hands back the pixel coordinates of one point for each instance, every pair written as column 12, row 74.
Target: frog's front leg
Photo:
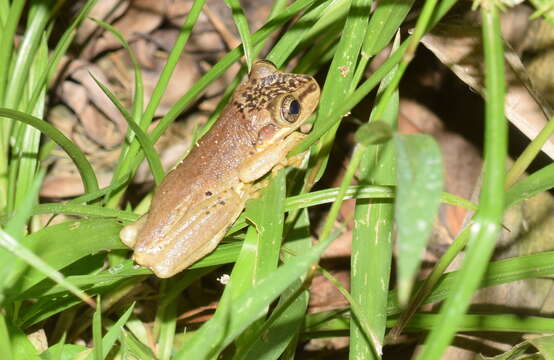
column 262, row 162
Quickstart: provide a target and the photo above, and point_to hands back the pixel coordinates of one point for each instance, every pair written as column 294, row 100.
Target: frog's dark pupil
column 294, row 108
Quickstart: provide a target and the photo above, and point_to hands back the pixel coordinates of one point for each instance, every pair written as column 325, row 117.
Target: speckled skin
column 197, row 201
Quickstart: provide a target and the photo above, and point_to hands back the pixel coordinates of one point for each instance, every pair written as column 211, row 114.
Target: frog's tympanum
column 201, row 198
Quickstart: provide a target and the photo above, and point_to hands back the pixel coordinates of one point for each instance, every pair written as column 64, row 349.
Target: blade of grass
column 282, row 327
column 225, row 326
column 166, row 322
column 524, row 160
column 127, row 166
column 266, row 214
column 59, row 51
column 25, row 54
column 14, row 98
column 144, row 141
column 36, row 262
column 420, row 181
column 102, row 345
column 488, row 219
column 22, row 348
column 84, row 210
column 295, row 34
column 384, row 23
column 138, row 97
column 97, row 351
column 361, row 92
column 539, row 181
column 82, row 164
column 5, row 345
column 26, row 161
column 338, row 82
column 372, row 237
column 16, row 224
column 6, row 42
column 241, row 22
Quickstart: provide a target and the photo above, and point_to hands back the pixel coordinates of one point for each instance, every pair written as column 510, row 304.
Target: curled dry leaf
column 460, row 48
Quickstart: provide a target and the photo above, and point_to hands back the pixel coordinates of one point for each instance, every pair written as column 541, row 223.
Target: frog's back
column 211, row 167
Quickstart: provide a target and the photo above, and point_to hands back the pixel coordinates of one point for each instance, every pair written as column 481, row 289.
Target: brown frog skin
column 200, row 199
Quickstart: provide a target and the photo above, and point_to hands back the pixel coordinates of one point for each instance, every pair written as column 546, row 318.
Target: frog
column 199, row 200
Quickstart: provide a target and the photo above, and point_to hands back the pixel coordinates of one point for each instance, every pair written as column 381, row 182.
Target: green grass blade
column 529, row 154
column 419, row 175
column 372, row 240
column 144, row 141
column 25, row 54
column 338, row 82
column 84, row 167
column 241, row 22
column 36, row 262
column 115, row 330
column 16, row 225
column 166, row 321
column 84, row 210
column 26, row 161
column 97, row 351
column 171, row 63
column 22, row 349
column 138, row 99
column 224, row 327
column 267, row 215
column 285, row 321
column 5, row 345
column 537, row 182
column 59, row 51
column 6, row 42
column 295, row 34
column 368, row 85
column 134, row 159
column 384, row 23
column 486, row 228
column 94, row 195
column 56, row 245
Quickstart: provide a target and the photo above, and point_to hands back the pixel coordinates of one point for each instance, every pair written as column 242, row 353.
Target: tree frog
column 199, row 200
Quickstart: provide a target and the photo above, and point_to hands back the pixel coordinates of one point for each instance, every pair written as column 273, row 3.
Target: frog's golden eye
column 290, row 109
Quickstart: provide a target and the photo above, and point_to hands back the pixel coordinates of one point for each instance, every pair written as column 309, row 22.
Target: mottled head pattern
column 266, row 84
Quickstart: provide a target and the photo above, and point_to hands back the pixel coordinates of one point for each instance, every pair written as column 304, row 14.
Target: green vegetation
column 54, row 273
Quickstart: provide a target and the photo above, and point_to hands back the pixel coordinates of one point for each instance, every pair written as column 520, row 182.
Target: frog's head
column 276, row 103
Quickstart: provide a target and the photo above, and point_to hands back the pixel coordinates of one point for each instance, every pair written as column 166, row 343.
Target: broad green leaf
column 419, row 177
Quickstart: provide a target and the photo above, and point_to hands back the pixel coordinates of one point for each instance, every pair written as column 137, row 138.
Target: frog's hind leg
column 195, row 234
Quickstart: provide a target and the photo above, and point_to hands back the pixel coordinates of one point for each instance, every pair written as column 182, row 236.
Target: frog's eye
column 290, row 109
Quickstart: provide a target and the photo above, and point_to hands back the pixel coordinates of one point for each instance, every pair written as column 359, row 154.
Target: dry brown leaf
column 460, row 48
